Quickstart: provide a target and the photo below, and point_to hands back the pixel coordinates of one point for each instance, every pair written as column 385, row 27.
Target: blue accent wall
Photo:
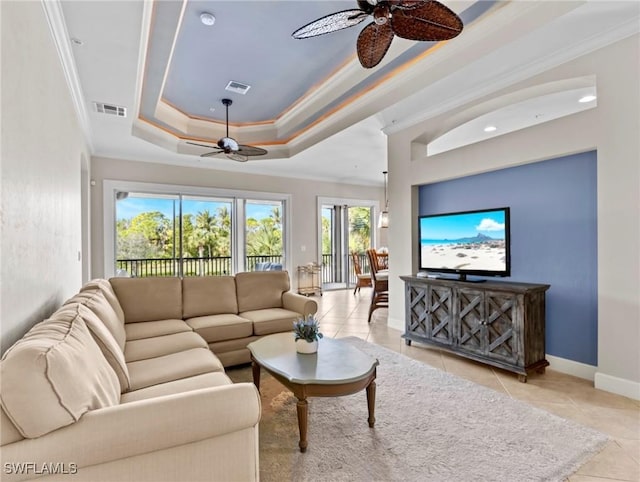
column 553, row 238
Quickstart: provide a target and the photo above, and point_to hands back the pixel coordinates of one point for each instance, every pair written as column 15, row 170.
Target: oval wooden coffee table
column 337, row 369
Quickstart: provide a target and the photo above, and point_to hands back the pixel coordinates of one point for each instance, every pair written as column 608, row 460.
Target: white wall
column 303, row 192
column 41, row 163
column 612, row 128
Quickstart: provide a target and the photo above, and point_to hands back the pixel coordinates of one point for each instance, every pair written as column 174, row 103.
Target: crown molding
column 58, row 27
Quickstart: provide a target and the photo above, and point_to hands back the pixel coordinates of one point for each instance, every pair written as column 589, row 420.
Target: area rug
column 430, row 426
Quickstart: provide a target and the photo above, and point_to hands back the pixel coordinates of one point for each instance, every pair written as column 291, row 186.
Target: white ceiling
column 339, row 131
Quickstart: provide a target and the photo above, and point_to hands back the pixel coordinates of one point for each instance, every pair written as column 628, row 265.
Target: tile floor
column 343, row 314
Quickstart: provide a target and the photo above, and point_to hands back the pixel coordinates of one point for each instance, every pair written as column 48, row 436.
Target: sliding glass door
column 264, row 235
column 147, row 234
column 207, row 233
column 158, row 234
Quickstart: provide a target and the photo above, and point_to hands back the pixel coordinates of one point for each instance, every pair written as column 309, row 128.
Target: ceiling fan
column 229, row 146
column 423, row 20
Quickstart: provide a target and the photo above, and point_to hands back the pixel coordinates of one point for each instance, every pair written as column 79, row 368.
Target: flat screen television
column 466, row 243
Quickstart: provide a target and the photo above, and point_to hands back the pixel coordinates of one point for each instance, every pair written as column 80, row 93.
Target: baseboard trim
column 571, row 367
column 395, row 323
column 619, row 386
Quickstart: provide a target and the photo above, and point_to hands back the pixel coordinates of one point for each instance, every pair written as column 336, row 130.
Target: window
column 150, row 231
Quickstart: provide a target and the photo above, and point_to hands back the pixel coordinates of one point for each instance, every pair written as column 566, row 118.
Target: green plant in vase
column 307, row 333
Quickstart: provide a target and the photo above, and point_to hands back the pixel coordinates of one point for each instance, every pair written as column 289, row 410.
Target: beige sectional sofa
column 126, row 380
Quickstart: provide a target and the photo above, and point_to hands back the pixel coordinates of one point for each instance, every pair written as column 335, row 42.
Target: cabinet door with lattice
column 471, row 314
column 502, row 327
column 440, row 314
column 416, row 303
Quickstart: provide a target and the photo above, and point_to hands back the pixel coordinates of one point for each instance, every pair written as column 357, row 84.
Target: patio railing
column 222, row 265
column 331, row 270
column 205, row 266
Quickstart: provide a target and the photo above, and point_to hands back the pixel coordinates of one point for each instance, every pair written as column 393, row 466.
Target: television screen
column 471, row 242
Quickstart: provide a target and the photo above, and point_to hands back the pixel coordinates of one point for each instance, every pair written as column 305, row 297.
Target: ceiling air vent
column 111, row 109
column 237, row 87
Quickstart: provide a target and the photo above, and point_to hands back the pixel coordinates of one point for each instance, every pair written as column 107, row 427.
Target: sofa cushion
column 208, row 295
column 9, row 432
column 150, row 329
column 162, row 345
column 184, row 364
column 257, row 290
column 105, row 340
column 221, row 327
column 274, row 320
column 107, row 290
column 96, row 301
column 149, row 299
column 206, row 380
column 55, row 374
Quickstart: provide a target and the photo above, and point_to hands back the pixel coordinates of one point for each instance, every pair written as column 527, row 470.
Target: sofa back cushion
column 106, row 342
column 96, row 301
column 209, row 295
column 149, row 299
column 55, row 374
column 107, row 290
column 257, row 290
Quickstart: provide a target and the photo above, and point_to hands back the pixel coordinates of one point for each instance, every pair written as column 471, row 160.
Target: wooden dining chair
column 380, row 284
column 362, row 279
column 372, row 254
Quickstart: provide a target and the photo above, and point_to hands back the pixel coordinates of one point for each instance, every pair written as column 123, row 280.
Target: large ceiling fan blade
column 431, row 21
column 234, row 156
column 373, row 43
column 201, row 145
column 211, row 154
column 331, row 23
column 251, row 150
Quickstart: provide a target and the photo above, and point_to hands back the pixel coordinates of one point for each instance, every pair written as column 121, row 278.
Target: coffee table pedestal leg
column 302, row 407
column 371, row 402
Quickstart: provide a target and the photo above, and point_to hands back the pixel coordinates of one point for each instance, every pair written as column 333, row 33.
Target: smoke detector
column 207, row 19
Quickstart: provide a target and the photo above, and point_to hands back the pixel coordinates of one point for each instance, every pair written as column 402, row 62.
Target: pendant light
column 383, row 220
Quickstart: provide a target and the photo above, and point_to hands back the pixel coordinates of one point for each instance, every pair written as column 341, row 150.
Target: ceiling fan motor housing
column 228, row 145
column 381, row 14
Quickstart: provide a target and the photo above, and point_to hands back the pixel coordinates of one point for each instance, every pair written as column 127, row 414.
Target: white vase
column 307, row 347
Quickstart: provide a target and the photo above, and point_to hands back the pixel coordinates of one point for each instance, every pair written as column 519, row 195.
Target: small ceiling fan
column 229, row 146
column 422, row 20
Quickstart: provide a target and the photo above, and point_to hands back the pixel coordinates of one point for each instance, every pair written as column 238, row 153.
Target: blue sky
column 463, row 226
column 132, row 206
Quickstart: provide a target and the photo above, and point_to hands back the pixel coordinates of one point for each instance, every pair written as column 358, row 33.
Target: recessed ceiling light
column 490, row 128
column 212, row 109
column 587, row 98
column 207, row 18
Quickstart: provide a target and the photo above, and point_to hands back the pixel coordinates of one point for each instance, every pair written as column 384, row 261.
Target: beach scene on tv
column 474, row 241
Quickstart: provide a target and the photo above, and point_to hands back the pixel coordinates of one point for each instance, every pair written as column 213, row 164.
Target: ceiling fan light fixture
column 228, row 144
column 207, row 19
